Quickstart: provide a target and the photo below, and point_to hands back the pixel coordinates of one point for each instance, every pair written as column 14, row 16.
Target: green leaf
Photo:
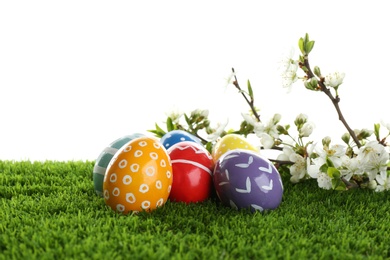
column 170, row 126
column 338, row 184
column 324, row 168
column 187, row 120
column 209, row 147
column 301, row 46
column 333, row 172
column 160, row 130
column 250, row 91
column 157, row 133
column 376, row 130
column 309, row 46
column 306, row 38
column 329, row 162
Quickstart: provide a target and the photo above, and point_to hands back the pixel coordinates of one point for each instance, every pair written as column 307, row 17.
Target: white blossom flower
column 387, row 125
column 299, row 169
column 249, row 118
column 288, row 69
column 383, row 181
column 307, row 129
column 334, row 80
column 218, row 131
column 267, row 141
column 175, row 114
column 271, row 127
column 230, row 79
column 285, row 155
column 290, row 76
column 200, row 112
column 258, row 126
column 287, row 60
column 350, row 167
column 310, row 148
column 314, row 169
column 373, row 158
column 324, row 181
column 335, row 153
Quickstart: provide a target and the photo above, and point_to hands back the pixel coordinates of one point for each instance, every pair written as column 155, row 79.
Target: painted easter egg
column 139, row 177
column 245, row 179
column 176, row 136
column 101, row 163
column 230, row 142
column 192, row 167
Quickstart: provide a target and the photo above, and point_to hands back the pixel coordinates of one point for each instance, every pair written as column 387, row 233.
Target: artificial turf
column 49, row 210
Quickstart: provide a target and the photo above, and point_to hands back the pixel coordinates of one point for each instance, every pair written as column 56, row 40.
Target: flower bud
column 307, row 84
column 276, row 118
column 200, row 113
column 372, row 185
column 326, row 141
column 364, row 134
column 300, row 120
column 281, row 130
column 205, row 113
column 314, row 83
column 306, row 129
column 311, row 84
column 346, row 138
column 317, row 71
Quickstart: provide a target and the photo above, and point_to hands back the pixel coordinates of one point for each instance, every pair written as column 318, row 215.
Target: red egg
column 192, row 167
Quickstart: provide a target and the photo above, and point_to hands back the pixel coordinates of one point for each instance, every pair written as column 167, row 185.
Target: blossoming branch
column 361, row 161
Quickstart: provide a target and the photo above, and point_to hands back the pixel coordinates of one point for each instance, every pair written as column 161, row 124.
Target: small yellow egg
column 231, row 142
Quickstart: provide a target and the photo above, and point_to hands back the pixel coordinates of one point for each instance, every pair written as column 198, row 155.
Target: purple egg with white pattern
column 176, row 136
column 245, row 179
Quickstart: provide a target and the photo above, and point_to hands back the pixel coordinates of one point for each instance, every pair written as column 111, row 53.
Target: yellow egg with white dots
column 231, row 142
column 139, row 177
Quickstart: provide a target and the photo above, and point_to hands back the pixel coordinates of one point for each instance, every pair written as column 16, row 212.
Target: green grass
column 49, row 210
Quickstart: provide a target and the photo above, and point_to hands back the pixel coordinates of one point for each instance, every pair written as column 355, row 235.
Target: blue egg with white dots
column 176, row 136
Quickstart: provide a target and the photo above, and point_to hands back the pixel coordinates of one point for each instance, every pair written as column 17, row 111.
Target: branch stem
column 335, row 101
column 250, row 102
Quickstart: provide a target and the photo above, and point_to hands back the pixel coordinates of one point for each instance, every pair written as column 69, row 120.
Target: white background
column 76, row 75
